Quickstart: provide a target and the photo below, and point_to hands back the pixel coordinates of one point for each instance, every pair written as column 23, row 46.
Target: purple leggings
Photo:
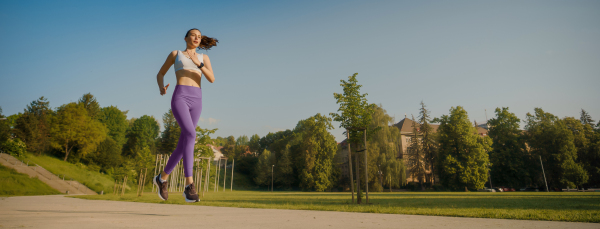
column 186, row 105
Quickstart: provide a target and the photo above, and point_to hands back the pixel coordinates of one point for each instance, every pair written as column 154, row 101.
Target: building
column 406, row 133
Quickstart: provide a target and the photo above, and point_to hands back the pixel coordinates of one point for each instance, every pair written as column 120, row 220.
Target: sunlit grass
column 13, row 183
column 557, row 206
column 93, row 180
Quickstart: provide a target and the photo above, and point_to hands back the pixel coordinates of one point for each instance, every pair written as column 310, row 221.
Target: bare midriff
column 188, row 77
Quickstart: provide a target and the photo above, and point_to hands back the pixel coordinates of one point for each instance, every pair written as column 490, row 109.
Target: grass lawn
column 93, row 180
column 13, row 183
column 558, row 206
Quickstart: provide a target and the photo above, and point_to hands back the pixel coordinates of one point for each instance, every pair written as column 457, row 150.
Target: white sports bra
column 182, row 62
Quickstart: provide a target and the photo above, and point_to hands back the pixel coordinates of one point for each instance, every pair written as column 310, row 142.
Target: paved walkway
column 57, row 211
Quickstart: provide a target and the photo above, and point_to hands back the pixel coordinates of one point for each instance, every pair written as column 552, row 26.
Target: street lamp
column 273, row 166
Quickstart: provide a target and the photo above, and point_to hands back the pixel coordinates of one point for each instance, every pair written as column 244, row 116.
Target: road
column 57, row 211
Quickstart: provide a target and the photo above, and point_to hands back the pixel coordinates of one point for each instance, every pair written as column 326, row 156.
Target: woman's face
column 194, row 38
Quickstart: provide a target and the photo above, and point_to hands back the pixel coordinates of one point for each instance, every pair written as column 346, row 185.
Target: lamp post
column 273, row 166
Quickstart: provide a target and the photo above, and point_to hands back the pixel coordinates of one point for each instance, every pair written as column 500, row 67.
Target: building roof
column 405, row 126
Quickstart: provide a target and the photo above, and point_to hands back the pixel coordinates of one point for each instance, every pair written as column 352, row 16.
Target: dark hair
column 205, row 42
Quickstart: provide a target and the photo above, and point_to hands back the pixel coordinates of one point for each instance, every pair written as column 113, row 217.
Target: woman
column 186, row 105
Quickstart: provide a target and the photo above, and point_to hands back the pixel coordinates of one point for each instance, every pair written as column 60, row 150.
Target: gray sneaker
column 163, row 190
column 190, row 194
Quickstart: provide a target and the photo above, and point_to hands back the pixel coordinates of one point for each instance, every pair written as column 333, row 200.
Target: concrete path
column 64, row 212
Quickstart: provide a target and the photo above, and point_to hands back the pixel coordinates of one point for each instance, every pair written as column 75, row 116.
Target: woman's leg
column 188, row 156
column 186, row 105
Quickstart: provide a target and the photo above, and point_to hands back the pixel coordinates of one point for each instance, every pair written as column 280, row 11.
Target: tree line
column 452, row 157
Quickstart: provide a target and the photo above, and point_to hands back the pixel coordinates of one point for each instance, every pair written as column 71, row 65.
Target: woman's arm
column 163, row 70
column 207, row 69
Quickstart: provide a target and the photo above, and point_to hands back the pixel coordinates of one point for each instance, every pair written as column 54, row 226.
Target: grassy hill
column 13, row 183
column 93, row 180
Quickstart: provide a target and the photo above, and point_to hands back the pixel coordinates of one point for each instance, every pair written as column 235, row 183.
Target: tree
column 170, row 136
column 254, row 143
column 33, row 127
column 316, row 150
column 586, row 141
column 383, row 148
column 91, row 105
column 108, row 154
column 115, row 121
column 284, row 172
column 549, row 137
column 202, row 141
column 242, row 140
column 230, row 140
column 263, row 168
column 586, row 119
column 416, row 156
column 4, row 129
column 509, row 158
column 141, row 133
column 463, row 155
column 355, row 111
column 428, row 144
column 73, row 127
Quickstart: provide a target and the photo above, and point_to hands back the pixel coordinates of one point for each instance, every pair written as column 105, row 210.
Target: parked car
column 530, row 189
column 507, row 189
column 499, row 189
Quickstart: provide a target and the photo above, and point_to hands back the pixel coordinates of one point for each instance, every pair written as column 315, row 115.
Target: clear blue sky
column 278, row 62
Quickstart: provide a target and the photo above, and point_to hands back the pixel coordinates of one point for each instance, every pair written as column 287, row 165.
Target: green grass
column 555, row 206
column 13, row 183
column 93, row 180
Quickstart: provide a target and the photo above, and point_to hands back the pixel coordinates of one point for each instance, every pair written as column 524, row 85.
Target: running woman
column 186, row 105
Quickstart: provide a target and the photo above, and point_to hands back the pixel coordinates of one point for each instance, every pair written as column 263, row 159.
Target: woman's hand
column 194, row 59
column 164, row 90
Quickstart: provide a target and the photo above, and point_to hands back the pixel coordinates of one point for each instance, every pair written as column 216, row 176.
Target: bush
column 412, row 186
column 438, row 187
column 14, row 147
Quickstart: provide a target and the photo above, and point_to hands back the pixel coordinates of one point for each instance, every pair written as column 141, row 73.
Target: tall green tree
column 254, row 143
column 284, row 171
column 242, row 140
column 91, row 105
column 170, row 135
column 354, row 111
column 107, row 154
column 315, row 152
column 141, row 133
column 115, row 121
column 428, row 143
column 33, row 127
column 416, row 156
column 72, row 127
column 4, row 128
column 586, row 119
column 383, row 147
column 586, row 141
column 463, row 155
column 263, row 168
column 509, row 158
column 550, row 138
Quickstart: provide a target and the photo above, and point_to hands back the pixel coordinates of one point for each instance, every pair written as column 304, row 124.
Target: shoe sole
column 189, row 201
column 157, row 189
